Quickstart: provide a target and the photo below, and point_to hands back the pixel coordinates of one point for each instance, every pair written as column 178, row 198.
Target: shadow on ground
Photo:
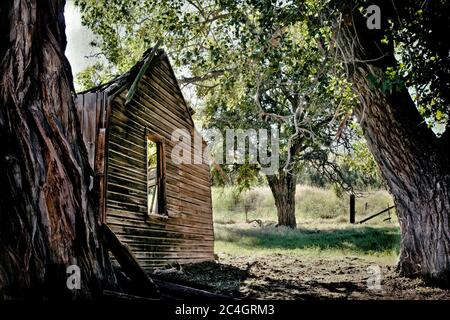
column 287, row 277
column 361, row 240
column 210, row 276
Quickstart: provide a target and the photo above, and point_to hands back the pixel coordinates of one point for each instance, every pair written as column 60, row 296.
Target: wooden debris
column 129, row 264
column 178, row 291
column 114, row 295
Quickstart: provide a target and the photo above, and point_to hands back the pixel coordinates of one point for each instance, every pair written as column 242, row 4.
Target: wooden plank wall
column 186, row 234
column 90, row 109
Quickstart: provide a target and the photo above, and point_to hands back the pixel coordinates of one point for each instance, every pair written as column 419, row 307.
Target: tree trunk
column 47, row 216
column 413, row 161
column 283, row 191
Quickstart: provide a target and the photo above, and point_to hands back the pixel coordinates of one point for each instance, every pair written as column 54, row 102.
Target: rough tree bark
column 283, row 188
column 413, row 161
column 47, row 216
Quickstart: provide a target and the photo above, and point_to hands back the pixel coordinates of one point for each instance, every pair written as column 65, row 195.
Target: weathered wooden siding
column 86, row 105
column 186, row 234
column 91, row 109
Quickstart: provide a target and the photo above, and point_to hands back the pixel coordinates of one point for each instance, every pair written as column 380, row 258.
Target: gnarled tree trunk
column 413, row 161
column 47, row 217
column 283, row 191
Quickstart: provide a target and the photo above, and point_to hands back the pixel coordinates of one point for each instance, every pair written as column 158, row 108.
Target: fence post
column 352, row 208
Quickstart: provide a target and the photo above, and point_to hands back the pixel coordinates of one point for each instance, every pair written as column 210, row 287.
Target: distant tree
column 272, row 91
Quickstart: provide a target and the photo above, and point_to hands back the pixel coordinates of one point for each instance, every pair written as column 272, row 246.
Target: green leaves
column 358, row 166
column 389, row 82
column 424, row 53
column 93, row 76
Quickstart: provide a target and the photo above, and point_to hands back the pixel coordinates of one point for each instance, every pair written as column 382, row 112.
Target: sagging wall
column 186, row 233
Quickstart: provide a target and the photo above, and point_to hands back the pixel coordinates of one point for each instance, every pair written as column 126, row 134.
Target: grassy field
column 323, row 228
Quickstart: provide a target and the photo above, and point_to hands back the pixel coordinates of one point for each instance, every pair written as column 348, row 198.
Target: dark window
column 155, row 176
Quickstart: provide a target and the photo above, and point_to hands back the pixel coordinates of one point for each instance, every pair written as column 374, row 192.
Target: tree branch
column 210, row 75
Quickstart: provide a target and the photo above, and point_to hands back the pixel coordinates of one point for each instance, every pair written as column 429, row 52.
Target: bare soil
column 282, row 276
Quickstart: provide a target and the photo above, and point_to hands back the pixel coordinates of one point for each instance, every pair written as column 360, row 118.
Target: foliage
column 419, row 30
column 94, row 75
column 358, row 165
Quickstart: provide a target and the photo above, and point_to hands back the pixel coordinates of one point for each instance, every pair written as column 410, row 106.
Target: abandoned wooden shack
column 157, row 207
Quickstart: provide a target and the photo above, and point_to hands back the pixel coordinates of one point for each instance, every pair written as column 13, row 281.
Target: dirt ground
column 281, row 276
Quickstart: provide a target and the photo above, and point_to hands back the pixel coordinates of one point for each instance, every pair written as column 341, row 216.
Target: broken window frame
column 161, row 209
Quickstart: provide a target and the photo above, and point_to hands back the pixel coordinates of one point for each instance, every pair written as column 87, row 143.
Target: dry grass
column 313, row 205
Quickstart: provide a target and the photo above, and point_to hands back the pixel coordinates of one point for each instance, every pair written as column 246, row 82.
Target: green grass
column 370, row 242
column 323, row 228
